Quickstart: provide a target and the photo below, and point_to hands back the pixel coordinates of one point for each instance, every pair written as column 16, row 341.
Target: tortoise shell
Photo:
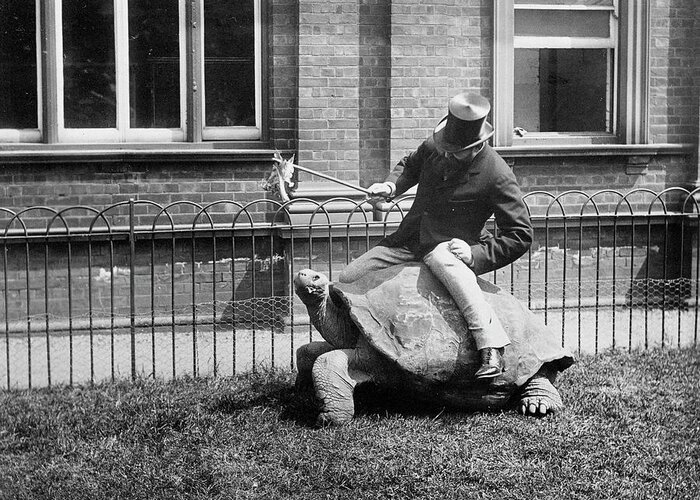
column 409, row 317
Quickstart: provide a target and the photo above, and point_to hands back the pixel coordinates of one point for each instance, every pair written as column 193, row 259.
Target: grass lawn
column 631, row 430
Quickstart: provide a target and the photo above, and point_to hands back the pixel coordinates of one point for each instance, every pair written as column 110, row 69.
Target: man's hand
column 461, row 250
column 383, row 189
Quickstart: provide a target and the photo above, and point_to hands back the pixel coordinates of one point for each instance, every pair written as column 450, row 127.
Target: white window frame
column 630, row 77
column 50, row 84
column 30, row 134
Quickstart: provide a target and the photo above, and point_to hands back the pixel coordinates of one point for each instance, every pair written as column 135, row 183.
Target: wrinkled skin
column 335, row 367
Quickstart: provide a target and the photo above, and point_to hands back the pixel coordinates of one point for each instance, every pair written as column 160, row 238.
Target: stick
column 328, row 177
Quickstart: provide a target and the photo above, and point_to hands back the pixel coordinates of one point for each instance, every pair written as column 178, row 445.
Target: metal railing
column 140, row 289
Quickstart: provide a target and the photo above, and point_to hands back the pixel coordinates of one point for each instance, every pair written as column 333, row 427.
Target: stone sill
column 256, row 152
column 561, row 150
column 146, row 152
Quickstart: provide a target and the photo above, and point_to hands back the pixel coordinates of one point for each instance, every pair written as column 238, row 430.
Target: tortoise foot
column 334, row 384
column 334, row 418
column 539, row 397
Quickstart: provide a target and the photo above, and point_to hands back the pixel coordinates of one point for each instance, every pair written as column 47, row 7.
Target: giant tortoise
column 400, row 329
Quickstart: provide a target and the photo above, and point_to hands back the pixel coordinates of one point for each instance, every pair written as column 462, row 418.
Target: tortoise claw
column 534, row 408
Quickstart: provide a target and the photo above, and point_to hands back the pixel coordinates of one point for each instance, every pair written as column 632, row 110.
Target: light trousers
column 452, row 272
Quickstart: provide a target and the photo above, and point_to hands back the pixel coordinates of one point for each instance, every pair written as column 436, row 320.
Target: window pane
column 154, row 65
column 88, row 64
column 574, row 23
column 18, row 79
column 562, row 90
column 229, row 62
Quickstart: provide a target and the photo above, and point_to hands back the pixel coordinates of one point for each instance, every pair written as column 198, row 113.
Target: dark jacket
column 455, row 199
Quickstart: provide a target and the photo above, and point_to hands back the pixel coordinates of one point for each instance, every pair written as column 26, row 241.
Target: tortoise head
column 311, row 286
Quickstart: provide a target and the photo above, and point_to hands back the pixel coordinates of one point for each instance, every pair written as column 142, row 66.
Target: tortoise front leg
column 335, row 378
column 306, row 357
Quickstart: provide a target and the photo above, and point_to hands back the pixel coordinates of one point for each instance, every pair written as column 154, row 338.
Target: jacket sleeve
column 514, row 235
column 406, row 173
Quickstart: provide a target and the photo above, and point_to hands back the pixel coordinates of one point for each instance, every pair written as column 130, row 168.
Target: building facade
column 107, row 100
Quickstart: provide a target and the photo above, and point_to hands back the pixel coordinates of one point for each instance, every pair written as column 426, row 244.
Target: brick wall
column 438, row 49
column 344, row 76
column 99, row 185
column 375, row 80
column 284, row 75
column 675, row 84
column 329, row 86
column 591, row 174
column 170, row 279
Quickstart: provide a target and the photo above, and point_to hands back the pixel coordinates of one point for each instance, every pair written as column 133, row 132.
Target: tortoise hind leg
column 335, row 379
column 538, row 396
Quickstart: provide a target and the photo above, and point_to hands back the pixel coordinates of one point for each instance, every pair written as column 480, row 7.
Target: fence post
column 132, row 287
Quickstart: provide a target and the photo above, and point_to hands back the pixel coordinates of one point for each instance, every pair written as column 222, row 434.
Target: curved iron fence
column 141, row 289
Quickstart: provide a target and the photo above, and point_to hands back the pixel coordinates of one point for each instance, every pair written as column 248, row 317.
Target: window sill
column 561, row 150
column 146, row 152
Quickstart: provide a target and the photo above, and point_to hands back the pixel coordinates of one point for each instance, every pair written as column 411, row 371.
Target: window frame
column 630, row 77
column 49, row 55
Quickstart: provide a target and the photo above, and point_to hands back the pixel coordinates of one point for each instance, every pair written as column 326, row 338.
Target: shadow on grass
column 271, row 390
column 276, row 392
column 373, row 401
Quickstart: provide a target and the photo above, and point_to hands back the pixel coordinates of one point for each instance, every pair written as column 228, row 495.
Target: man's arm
column 404, row 176
column 515, row 232
column 406, row 173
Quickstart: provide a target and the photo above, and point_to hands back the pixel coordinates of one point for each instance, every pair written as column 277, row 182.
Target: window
column 130, row 70
column 570, row 71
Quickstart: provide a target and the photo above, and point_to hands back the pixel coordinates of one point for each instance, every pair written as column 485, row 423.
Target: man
column 462, row 182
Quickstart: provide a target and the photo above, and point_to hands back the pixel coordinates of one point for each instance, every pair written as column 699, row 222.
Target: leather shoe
column 492, row 364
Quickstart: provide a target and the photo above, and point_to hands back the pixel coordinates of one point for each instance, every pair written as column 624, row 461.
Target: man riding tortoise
column 410, row 314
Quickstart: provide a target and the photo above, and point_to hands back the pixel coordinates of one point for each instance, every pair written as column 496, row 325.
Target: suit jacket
column 454, row 199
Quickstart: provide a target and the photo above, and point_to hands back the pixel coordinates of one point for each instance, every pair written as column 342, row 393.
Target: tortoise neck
column 333, row 323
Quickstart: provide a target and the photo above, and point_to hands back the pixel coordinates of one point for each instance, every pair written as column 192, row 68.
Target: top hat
column 465, row 125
